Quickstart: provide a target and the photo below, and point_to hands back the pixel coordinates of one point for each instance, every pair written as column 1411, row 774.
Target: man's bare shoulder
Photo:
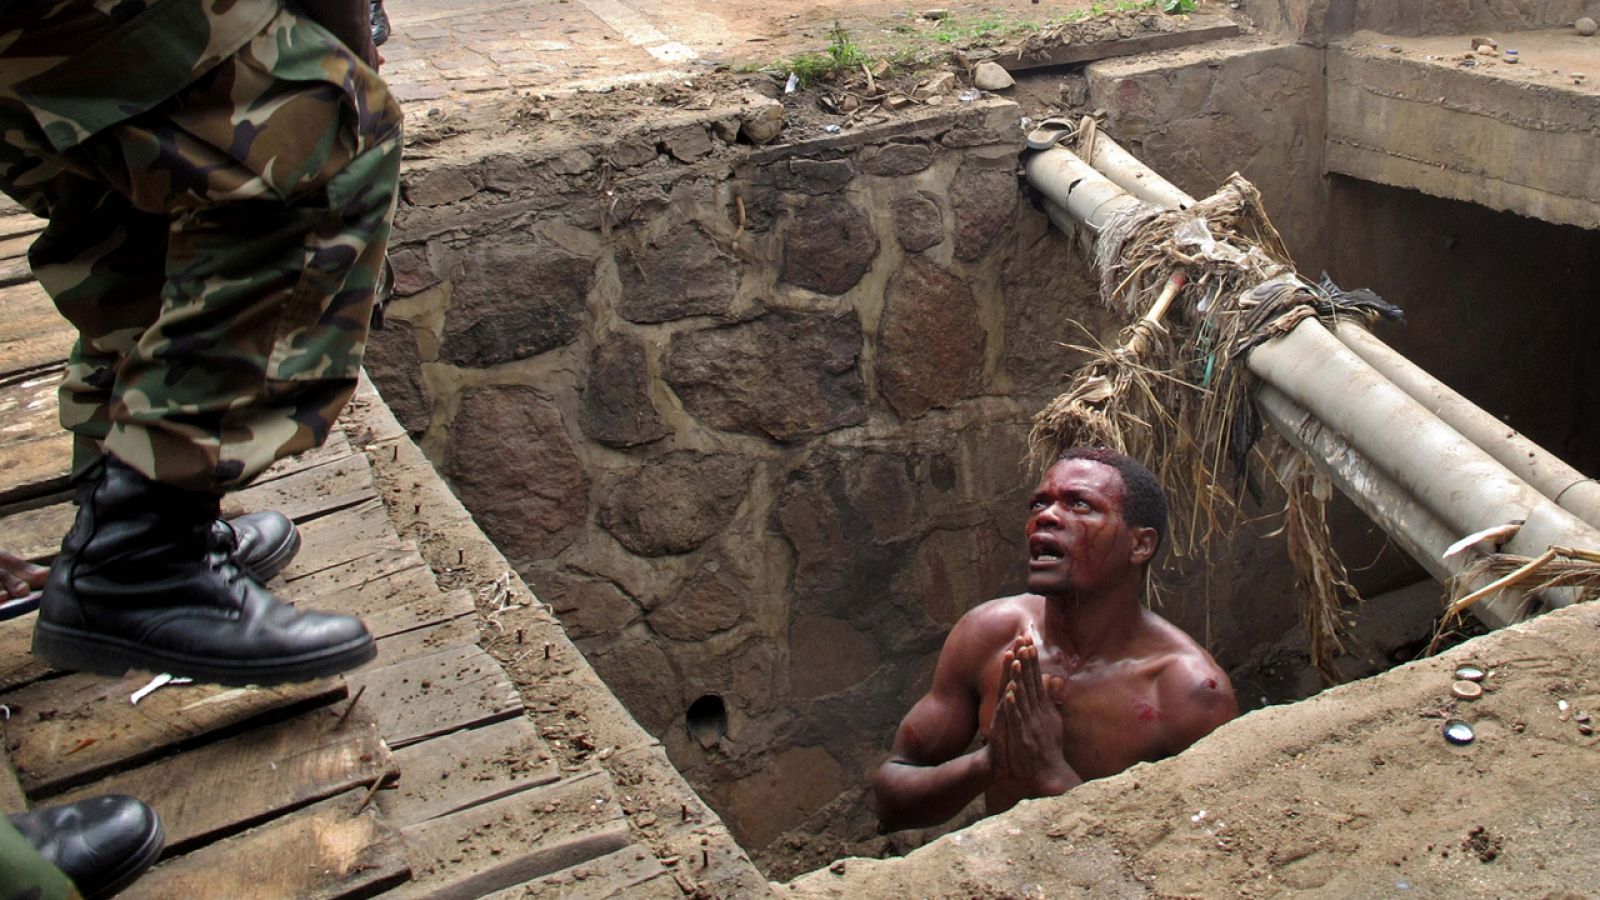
column 1193, row 687
column 1000, row 619
column 988, row 627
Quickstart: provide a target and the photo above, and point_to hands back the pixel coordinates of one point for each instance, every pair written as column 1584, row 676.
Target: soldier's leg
column 279, row 169
column 24, row 873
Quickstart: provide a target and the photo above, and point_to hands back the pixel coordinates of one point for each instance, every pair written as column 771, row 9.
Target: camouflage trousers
column 217, row 252
column 24, row 874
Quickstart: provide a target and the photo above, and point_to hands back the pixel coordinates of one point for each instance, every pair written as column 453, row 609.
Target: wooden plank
column 325, row 852
column 36, row 534
column 343, row 537
column 426, row 696
column 309, row 492
column 15, row 223
column 27, row 309
column 15, row 246
column 18, row 665
column 381, row 581
column 35, row 352
column 468, row 768
column 35, row 467
column 337, row 446
column 28, row 409
column 509, row 841
column 632, row 872
column 423, row 611
column 1064, row 54
column 79, row 727
column 12, row 800
column 414, row 642
column 226, row 787
column 15, row 271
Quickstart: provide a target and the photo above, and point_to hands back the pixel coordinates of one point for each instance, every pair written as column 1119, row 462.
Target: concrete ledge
column 1490, row 134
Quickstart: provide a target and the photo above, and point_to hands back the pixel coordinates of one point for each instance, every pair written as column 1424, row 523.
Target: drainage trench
column 751, row 420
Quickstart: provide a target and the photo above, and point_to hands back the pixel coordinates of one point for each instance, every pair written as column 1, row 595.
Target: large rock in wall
column 744, row 425
column 785, row 375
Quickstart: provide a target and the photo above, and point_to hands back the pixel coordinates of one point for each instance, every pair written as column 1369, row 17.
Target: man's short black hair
column 1144, row 503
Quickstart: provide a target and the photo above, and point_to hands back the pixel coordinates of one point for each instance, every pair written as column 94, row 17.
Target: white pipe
column 1413, row 527
column 1527, row 460
column 1127, row 172
column 1459, row 482
column 1075, row 186
column 1568, row 487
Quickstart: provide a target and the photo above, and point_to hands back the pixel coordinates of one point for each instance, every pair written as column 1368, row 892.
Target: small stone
column 936, row 14
column 896, row 101
column 763, row 123
column 1585, row 26
column 1581, row 718
column 936, row 84
column 1577, row 77
column 991, row 76
column 1585, row 729
column 1467, row 690
column 1480, row 42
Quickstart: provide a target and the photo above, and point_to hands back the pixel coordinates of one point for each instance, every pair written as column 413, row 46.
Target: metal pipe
column 1568, row 487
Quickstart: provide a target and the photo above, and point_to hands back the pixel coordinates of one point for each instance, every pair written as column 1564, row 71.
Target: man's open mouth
column 1044, row 548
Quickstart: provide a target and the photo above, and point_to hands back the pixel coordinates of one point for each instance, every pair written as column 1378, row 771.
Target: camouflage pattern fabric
column 24, row 874
column 220, row 181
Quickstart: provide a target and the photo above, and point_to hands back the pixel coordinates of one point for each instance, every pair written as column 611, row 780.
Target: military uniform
column 219, row 177
column 24, row 874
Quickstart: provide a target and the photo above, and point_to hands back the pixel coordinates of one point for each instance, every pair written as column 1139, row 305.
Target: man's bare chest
column 1111, row 714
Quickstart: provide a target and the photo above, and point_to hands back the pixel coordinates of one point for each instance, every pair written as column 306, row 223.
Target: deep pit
column 750, row 419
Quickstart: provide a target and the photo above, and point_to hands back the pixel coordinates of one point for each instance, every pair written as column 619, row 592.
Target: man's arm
column 927, row 779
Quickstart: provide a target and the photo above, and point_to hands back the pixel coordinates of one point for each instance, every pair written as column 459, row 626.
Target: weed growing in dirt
column 842, row 54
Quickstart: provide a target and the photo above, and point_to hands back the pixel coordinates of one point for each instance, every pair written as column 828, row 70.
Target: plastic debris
column 1467, row 690
column 156, row 684
column 1469, row 673
column 1458, row 733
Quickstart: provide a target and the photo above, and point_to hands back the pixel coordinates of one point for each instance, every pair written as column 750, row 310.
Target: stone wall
column 749, row 419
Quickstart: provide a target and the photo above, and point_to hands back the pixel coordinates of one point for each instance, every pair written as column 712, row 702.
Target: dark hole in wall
column 707, row 720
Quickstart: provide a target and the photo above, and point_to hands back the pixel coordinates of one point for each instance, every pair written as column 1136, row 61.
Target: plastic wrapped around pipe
column 1527, row 460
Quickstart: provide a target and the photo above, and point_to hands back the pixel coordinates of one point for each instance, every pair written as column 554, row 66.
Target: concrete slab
column 1412, row 113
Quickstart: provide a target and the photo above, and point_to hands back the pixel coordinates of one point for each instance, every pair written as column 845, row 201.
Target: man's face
column 1078, row 541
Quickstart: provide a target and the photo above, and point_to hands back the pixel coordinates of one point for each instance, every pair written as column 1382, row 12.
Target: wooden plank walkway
column 418, row 775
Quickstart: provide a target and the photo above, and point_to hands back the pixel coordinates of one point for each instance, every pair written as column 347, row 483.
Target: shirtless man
column 1072, row 681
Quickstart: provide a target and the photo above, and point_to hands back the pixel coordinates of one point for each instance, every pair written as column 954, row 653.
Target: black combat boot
column 262, row 542
column 143, row 582
column 102, row 843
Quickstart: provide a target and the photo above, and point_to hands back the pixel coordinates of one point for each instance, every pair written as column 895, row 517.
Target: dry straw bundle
column 1202, row 287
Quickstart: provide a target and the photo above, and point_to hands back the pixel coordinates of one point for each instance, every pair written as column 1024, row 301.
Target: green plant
column 844, row 51
column 1178, row 6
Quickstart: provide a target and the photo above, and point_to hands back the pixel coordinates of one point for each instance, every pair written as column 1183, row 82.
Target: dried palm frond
column 1556, row 568
column 1177, row 395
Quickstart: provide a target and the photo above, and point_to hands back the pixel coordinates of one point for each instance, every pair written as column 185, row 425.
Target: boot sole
column 272, row 565
column 83, row 651
column 134, row 866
